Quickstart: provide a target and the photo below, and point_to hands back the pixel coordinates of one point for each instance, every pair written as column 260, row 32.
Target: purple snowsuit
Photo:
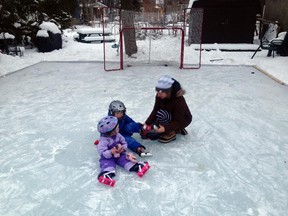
column 107, row 160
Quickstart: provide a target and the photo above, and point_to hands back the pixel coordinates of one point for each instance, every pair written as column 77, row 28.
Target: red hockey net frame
column 182, row 64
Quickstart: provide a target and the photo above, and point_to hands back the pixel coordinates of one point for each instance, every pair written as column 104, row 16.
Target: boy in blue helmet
column 112, row 150
column 127, row 126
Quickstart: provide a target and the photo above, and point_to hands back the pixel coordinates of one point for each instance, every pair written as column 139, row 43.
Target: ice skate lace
column 106, row 175
column 141, row 165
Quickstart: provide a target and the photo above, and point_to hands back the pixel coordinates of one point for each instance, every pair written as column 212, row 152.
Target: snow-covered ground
column 232, row 162
column 165, row 49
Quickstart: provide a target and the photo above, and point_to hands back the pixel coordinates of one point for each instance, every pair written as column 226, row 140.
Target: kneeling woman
column 170, row 114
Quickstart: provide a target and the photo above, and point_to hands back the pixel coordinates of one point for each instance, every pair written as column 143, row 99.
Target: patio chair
column 265, row 40
column 9, row 46
column 280, row 44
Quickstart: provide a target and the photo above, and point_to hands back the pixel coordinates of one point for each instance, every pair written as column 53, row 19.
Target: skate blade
column 107, row 181
column 145, row 154
column 143, row 170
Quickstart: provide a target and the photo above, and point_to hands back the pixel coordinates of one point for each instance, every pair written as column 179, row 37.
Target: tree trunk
column 129, row 34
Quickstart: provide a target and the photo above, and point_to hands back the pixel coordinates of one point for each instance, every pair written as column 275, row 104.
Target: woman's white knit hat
column 164, row 82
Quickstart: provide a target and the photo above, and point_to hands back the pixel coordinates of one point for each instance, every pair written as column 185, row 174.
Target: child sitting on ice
column 112, row 150
column 127, row 126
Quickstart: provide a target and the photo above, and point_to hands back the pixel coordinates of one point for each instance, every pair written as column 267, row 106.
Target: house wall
column 277, row 10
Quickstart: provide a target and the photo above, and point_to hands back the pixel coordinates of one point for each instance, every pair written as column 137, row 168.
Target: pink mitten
column 131, row 157
column 115, row 152
column 120, row 148
column 116, row 155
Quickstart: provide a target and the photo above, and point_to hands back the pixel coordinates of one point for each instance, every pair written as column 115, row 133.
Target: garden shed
column 228, row 21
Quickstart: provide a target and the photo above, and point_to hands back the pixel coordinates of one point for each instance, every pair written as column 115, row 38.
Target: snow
column 17, row 25
column 42, row 33
column 190, row 4
column 49, row 26
column 6, row 36
column 232, row 162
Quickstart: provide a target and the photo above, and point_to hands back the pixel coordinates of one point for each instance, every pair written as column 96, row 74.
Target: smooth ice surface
column 232, row 162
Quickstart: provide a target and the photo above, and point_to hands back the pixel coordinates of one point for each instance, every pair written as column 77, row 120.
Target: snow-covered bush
column 48, row 38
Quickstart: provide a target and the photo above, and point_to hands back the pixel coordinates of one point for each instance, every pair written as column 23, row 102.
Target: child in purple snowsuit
column 127, row 126
column 112, row 149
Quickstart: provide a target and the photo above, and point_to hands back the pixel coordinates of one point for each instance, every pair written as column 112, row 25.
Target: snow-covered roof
column 50, row 27
column 190, row 5
column 94, row 5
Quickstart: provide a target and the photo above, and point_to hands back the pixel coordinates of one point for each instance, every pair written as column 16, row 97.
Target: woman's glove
column 149, row 132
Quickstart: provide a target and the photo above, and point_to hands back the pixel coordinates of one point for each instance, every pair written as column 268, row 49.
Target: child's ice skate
column 106, row 178
column 144, row 153
column 141, row 168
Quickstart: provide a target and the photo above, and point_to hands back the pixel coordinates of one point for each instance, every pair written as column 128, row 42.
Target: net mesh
column 160, row 39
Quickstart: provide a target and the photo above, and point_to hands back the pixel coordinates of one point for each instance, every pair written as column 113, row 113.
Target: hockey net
column 158, row 42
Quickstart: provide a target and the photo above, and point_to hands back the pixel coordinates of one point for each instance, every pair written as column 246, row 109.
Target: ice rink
column 232, row 162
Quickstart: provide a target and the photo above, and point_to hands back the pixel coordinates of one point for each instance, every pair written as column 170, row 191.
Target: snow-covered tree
column 22, row 18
